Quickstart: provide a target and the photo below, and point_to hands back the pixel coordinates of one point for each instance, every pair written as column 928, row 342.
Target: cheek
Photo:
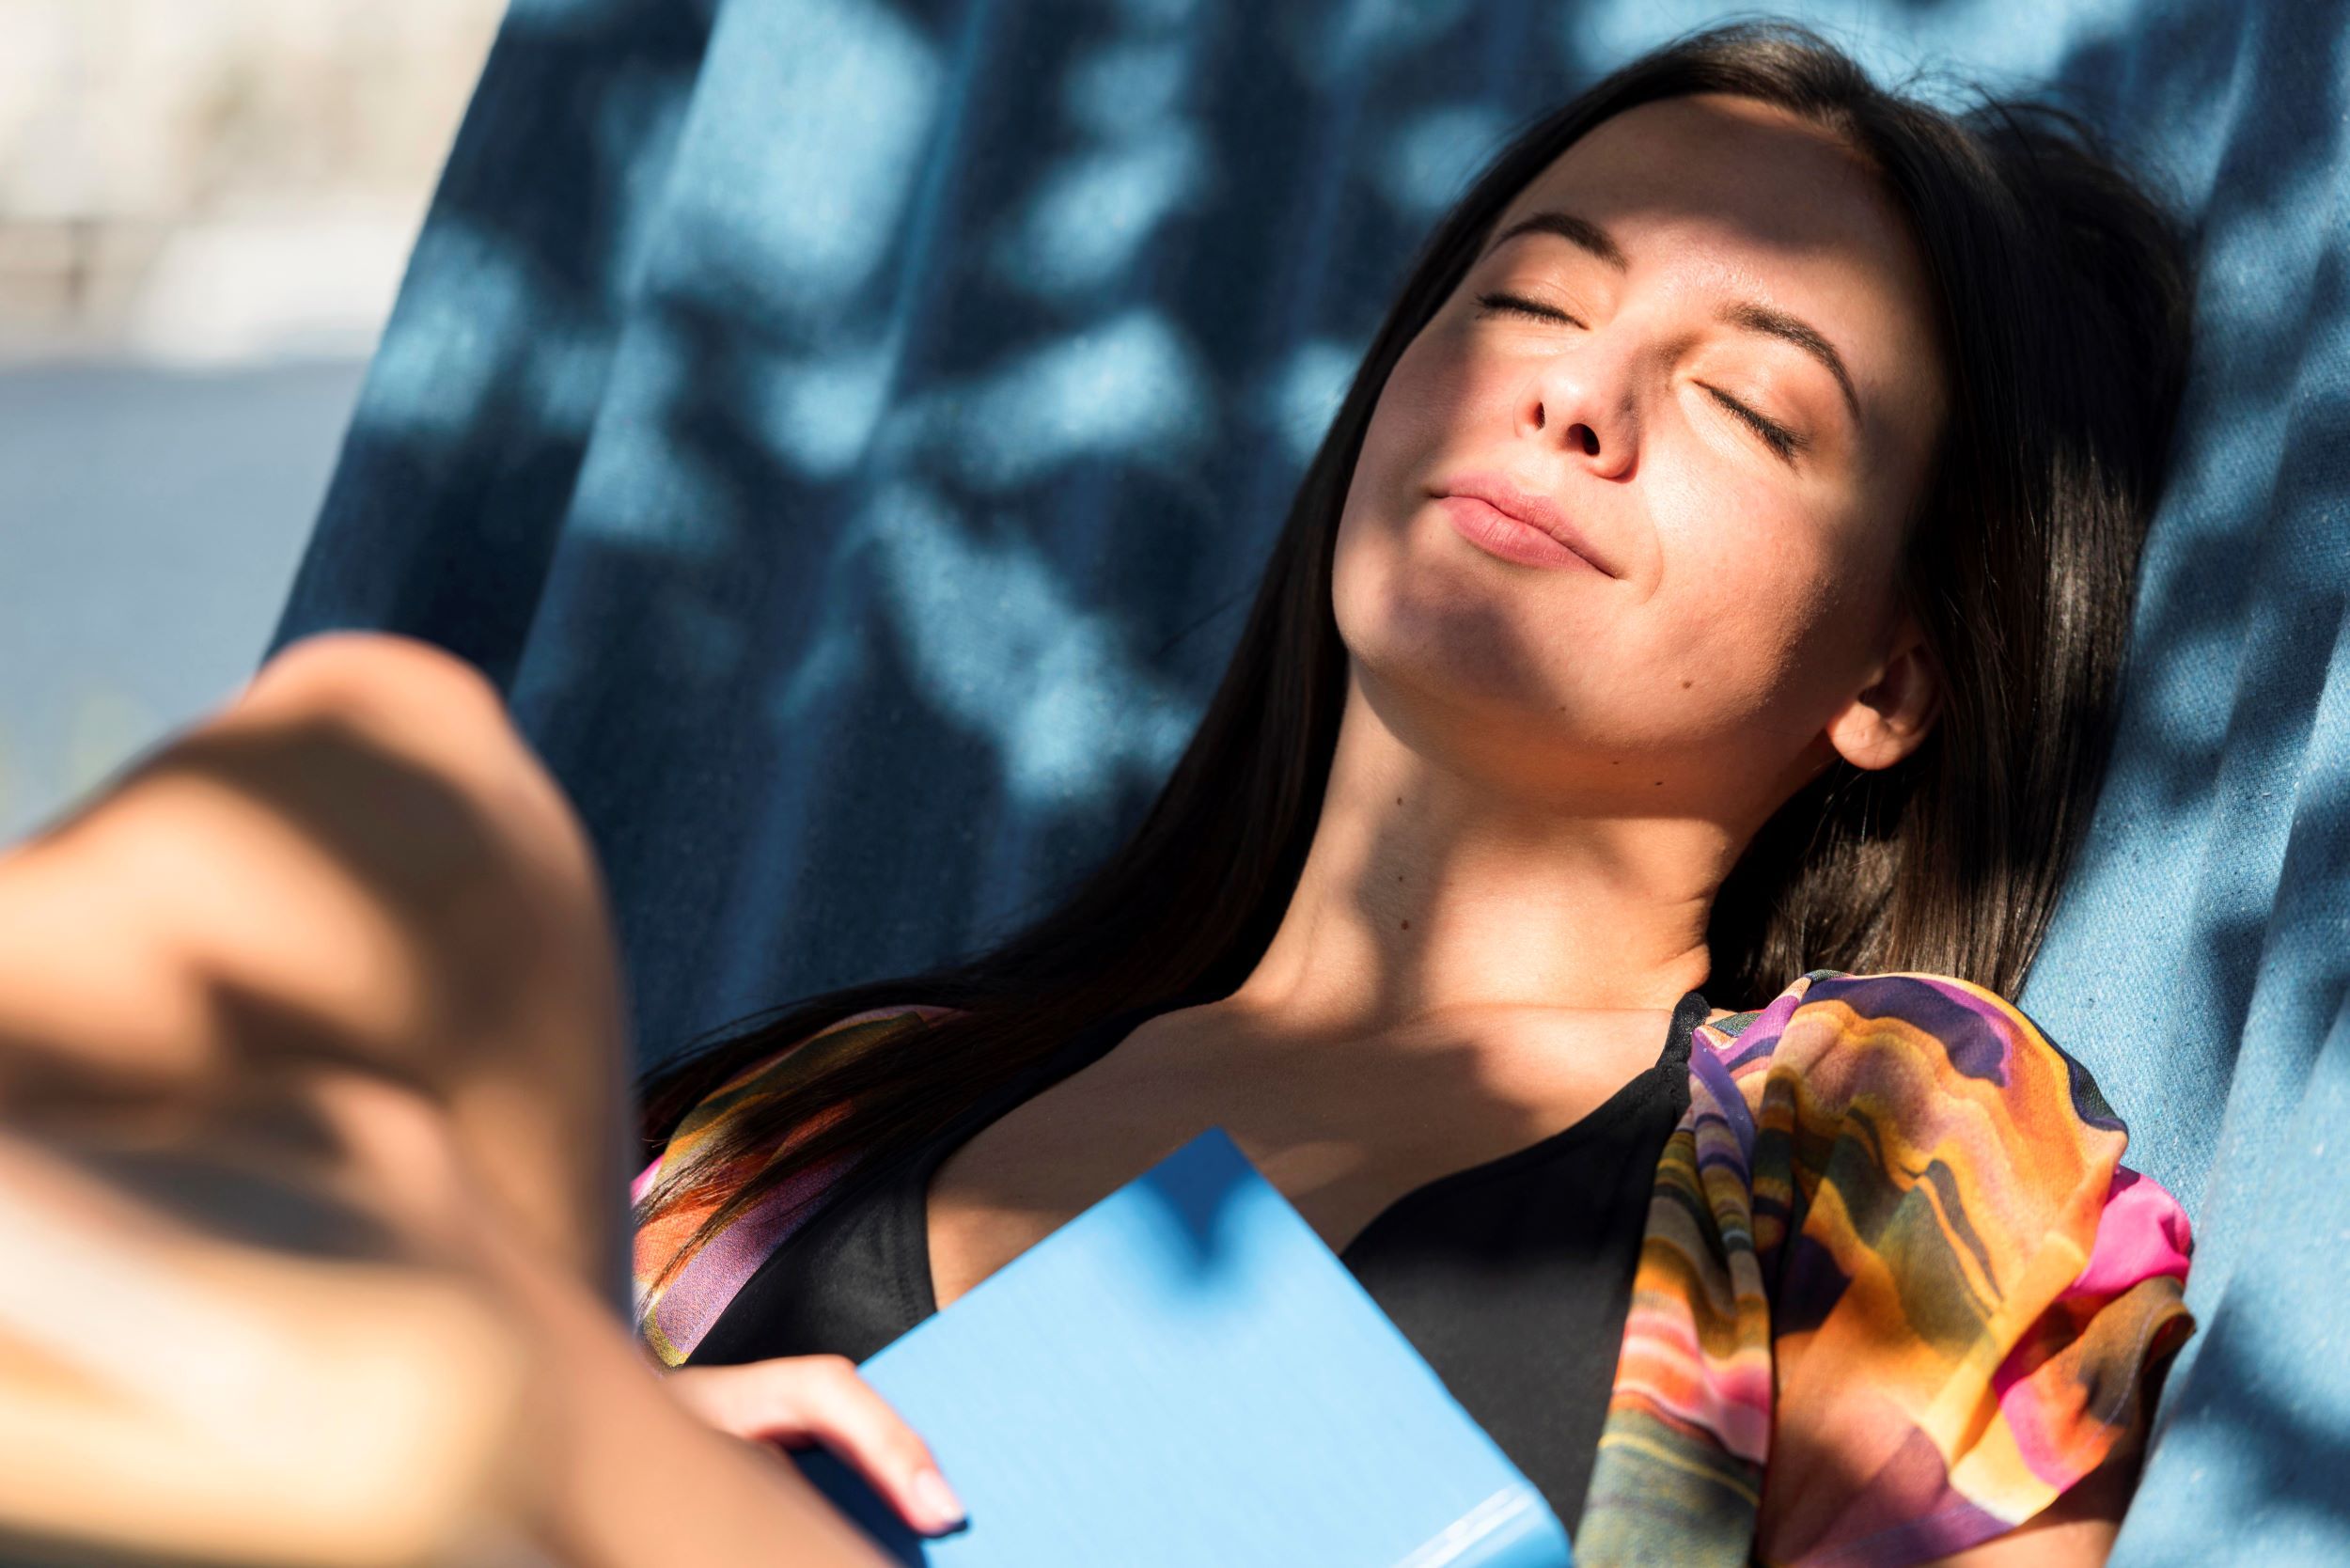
column 1429, row 395
column 1759, row 603
column 1408, row 432
column 1412, row 602
column 1789, row 605
column 1745, row 631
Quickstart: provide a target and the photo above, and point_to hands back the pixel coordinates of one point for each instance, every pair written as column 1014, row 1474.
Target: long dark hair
column 2064, row 292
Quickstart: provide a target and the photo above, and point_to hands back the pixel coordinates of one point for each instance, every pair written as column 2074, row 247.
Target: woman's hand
column 796, row 1400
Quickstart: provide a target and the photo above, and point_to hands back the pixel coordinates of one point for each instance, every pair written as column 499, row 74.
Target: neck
column 1430, row 893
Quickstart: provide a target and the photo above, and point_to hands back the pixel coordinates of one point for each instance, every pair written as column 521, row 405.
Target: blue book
column 1186, row 1374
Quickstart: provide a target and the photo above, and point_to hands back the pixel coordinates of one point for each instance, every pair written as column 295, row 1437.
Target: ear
column 1891, row 716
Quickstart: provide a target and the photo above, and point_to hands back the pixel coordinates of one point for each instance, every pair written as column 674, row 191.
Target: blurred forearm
column 309, row 1087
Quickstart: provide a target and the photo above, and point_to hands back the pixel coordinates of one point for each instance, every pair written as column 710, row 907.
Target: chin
column 1437, row 622
column 1444, row 684
column 1471, row 730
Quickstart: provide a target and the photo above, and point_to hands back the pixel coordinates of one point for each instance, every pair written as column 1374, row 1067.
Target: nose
column 1581, row 398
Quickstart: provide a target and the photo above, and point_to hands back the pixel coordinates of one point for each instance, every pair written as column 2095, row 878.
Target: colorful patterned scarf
column 1896, row 1293
column 671, row 1318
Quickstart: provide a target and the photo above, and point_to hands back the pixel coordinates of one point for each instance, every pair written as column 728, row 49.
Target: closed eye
column 1516, row 306
column 1781, row 440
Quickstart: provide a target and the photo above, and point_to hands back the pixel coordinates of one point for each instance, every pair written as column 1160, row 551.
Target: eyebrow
column 1745, row 314
column 1567, row 225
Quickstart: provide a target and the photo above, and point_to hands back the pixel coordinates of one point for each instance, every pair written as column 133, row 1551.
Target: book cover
column 1185, row 1374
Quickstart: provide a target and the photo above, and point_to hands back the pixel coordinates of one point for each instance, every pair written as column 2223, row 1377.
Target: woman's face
column 1703, row 338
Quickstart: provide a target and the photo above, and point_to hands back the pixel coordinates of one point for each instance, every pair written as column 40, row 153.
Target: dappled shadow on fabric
column 850, row 432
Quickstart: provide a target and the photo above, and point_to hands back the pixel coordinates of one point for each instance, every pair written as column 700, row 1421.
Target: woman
column 1830, row 424
column 1836, row 422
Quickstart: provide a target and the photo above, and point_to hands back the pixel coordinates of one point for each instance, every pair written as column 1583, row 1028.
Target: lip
column 1536, row 512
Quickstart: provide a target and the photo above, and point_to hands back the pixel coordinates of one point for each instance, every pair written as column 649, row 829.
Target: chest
column 1342, row 1132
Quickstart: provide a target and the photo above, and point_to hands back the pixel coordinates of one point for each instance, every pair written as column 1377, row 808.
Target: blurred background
column 848, row 431
column 205, row 209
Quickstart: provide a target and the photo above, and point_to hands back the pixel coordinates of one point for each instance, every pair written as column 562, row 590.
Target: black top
column 1511, row 1277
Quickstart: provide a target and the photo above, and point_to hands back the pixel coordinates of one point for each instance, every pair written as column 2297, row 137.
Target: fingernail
column 936, row 1499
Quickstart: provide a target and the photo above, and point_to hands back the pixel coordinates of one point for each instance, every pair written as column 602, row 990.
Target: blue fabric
column 850, row 432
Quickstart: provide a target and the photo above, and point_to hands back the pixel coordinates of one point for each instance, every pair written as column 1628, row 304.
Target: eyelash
column 1780, row 440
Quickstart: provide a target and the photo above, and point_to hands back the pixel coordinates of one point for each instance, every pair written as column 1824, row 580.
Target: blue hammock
column 851, row 432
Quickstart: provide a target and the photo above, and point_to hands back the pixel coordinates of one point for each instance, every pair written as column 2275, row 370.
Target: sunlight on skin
column 320, row 868
column 434, row 1379
column 272, row 1408
column 468, row 1407
column 432, row 951
column 1528, row 802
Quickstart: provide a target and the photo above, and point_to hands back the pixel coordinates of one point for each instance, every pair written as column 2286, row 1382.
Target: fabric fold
column 1896, row 1293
